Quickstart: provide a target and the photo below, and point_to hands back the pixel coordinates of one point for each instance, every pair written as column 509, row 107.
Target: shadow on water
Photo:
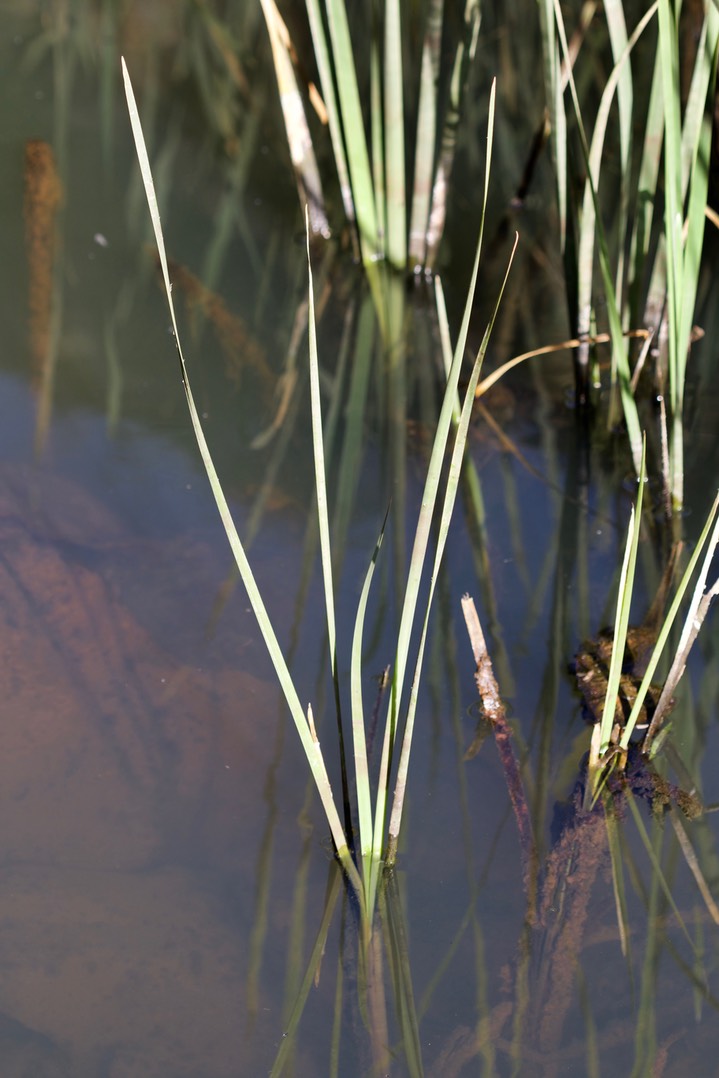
column 170, row 905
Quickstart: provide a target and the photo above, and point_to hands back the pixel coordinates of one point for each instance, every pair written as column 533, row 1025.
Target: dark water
column 165, row 861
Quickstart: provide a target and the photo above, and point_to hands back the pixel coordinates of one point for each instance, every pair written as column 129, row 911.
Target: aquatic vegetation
column 650, row 268
column 374, row 172
column 621, row 712
column 378, row 836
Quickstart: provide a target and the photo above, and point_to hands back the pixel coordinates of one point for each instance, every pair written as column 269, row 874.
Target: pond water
column 166, row 866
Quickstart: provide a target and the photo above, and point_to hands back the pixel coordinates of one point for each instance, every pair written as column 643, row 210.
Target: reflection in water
column 43, row 198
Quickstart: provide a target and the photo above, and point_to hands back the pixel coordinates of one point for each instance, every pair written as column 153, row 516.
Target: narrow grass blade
column 621, row 624
column 669, row 58
column 667, row 625
column 309, row 742
column 377, row 136
column 614, row 12
column 426, row 136
column 455, row 470
column 620, row 896
column 656, row 865
column 555, row 107
column 334, row 121
column 320, row 474
column 396, row 944
column 694, row 867
column 394, row 136
column 647, row 185
column 354, row 419
column 616, row 87
column 698, row 609
column 424, row 522
column 685, row 254
column 619, row 350
column 364, row 794
column 353, row 127
column 323, row 525
column 288, row 1043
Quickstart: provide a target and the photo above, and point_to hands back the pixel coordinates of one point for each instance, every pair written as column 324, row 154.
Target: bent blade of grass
column 450, row 496
column 669, row 621
column 310, row 744
column 424, row 521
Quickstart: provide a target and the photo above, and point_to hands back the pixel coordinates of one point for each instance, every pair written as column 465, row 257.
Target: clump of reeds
column 378, row 815
column 373, row 166
column 649, row 260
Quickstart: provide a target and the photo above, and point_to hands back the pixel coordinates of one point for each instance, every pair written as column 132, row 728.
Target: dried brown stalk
column 495, row 712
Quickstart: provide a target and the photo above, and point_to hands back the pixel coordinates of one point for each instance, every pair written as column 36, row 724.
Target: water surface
column 164, row 857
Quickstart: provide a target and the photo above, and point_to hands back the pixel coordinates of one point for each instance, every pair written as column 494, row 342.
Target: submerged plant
column 378, row 838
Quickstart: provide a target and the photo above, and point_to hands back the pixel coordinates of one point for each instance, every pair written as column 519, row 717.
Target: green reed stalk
column 616, row 87
column 555, row 106
column 619, row 347
column 624, row 602
column 304, row 724
column 394, row 134
column 327, row 82
column 602, row 753
column 374, row 180
column 423, row 528
column 669, row 621
column 455, row 470
column 686, row 158
column 426, row 136
column 353, row 127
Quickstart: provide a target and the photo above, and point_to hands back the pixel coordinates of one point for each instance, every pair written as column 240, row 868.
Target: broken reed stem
column 495, row 712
